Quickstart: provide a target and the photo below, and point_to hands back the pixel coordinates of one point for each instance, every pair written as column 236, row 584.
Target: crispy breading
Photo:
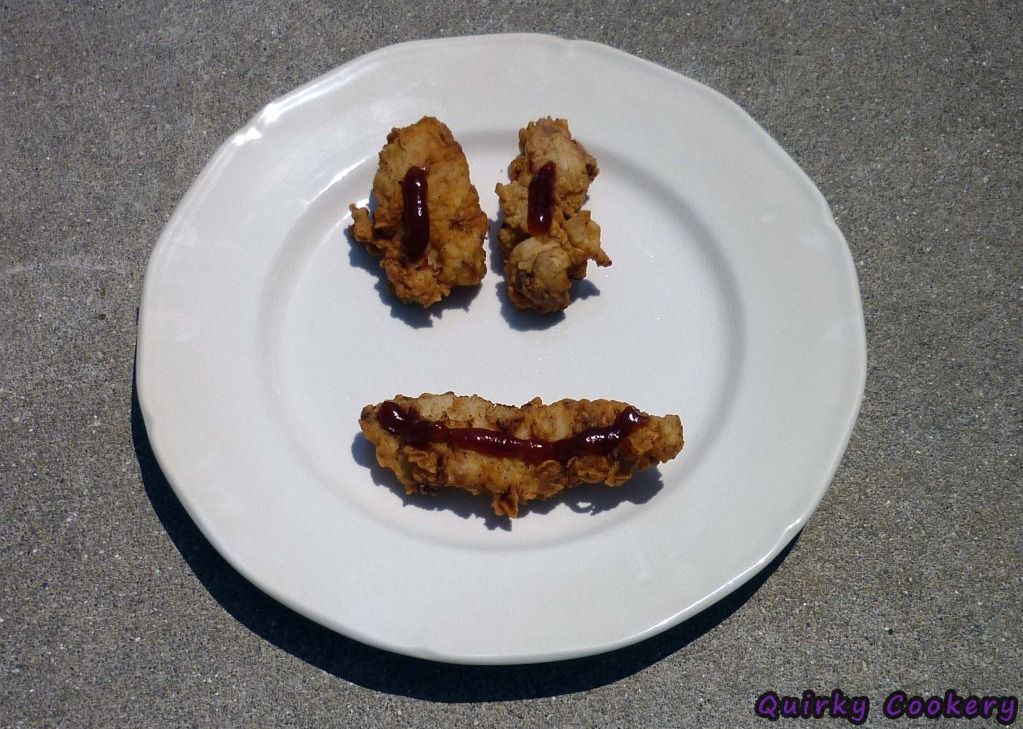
column 455, row 255
column 511, row 480
column 539, row 270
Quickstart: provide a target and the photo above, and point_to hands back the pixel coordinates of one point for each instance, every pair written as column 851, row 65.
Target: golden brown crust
column 539, row 270
column 514, row 481
column 455, row 255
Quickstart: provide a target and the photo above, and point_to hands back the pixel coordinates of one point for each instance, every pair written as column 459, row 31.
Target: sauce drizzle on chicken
column 540, row 206
column 417, row 214
column 600, row 441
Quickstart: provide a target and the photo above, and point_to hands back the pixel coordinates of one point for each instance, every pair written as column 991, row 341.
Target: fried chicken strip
column 453, row 254
column 515, row 454
column 543, row 257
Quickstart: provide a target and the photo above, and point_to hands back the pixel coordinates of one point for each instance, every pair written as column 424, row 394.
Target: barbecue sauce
column 415, row 431
column 540, row 208
column 417, row 214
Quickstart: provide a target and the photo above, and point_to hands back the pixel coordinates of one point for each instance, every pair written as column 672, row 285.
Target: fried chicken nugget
column 449, row 251
column 516, row 454
column 546, row 240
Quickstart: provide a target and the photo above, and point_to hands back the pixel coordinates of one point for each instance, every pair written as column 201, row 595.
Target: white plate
column 732, row 301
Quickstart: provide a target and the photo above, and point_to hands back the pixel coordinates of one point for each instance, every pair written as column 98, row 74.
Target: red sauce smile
column 415, row 431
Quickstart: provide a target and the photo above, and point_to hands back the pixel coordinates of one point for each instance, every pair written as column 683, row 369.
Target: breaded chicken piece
column 515, row 454
column 539, row 268
column 454, row 254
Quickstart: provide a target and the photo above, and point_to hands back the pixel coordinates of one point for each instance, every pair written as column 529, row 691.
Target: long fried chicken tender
column 454, row 255
column 539, row 269
column 451, row 440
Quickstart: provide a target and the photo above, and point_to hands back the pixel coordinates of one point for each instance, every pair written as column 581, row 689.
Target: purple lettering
column 1007, row 710
column 860, row 710
column 894, row 705
column 767, row 706
column 953, row 705
column 807, row 710
column 839, row 705
column 898, row 704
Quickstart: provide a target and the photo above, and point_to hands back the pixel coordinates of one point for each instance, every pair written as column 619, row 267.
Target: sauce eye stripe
column 540, row 205
column 417, row 214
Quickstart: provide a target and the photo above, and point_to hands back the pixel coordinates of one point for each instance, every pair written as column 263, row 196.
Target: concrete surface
column 114, row 611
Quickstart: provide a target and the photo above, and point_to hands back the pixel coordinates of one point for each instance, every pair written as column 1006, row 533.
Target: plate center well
column 659, row 329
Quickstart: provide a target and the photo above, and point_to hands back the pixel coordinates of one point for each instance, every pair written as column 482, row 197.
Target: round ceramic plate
column 732, row 301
